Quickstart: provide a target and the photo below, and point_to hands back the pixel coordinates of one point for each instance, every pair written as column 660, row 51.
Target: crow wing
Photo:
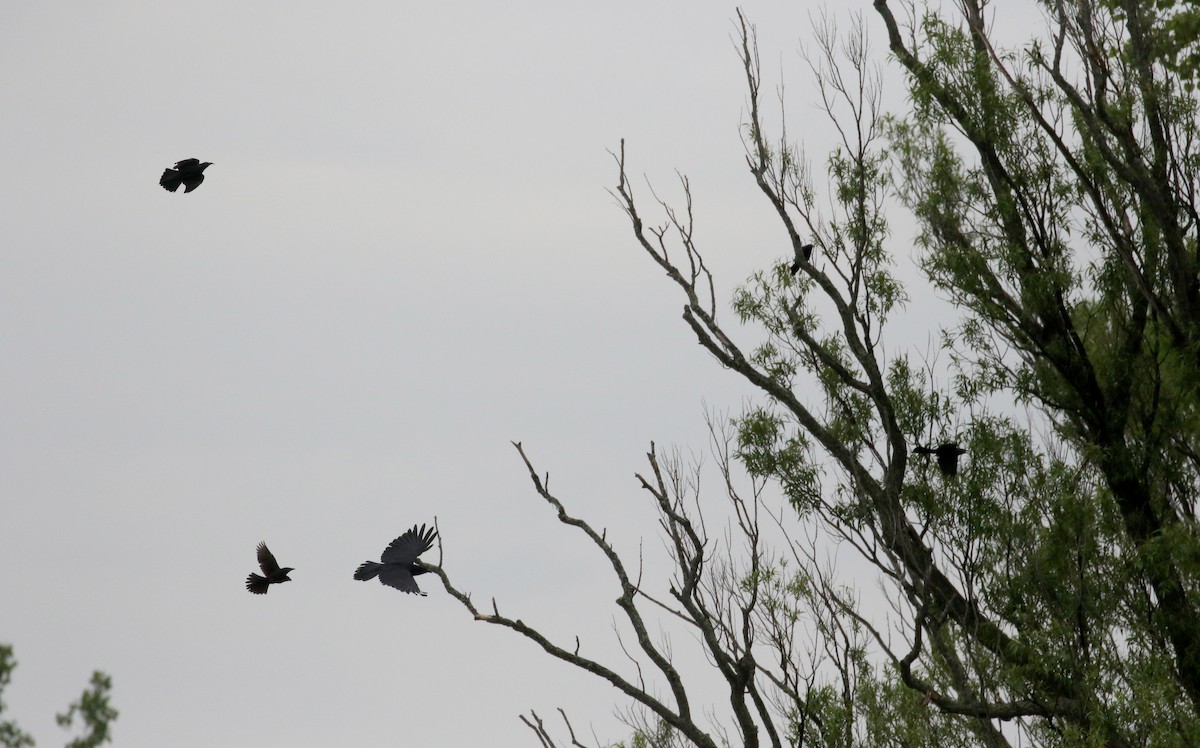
column 187, row 163
column 192, row 182
column 947, row 457
column 406, row 548
column 400, row 578
column 266, row 561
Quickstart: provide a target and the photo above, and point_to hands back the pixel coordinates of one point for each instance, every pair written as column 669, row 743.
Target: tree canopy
column 1044, row 591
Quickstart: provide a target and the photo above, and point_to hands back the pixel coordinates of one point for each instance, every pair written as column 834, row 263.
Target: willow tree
column 1056, row 189
column 1046, row 591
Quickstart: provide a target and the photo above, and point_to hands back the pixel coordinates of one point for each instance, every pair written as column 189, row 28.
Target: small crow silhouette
column 947, row 456
column 188, row 172
column 274, row 575
column 399, row 561
column 802, row 255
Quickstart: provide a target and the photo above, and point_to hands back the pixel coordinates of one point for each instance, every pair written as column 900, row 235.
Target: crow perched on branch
column 400, row 561
column 274, row 575
column 802, row 254
column 947, row 456
column 188, row 172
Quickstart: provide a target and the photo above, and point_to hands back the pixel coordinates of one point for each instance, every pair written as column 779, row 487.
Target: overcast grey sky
column 402, row 258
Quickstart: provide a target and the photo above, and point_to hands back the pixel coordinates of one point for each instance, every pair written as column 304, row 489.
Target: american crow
column 399, row 561
column 188, row 172
column 802, row 255
column 274, row 575
column 947, row 456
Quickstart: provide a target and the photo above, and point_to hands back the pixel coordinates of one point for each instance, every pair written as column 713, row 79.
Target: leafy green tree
column 11, row 736
column 96, row 712
column 1172, row 27
column 1046, row 593
column 1056, row 189
column 93, row 707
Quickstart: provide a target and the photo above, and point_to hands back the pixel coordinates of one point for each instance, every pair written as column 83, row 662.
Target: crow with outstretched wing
column 947, row 455
column 272, row 574
column 399, row 561
column 188, row 172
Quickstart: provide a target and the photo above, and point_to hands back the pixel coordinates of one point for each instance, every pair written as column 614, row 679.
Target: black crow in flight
column 188, row 172
column 274, row 575
column 947, row 456
column 400, row 561
column 802, row 254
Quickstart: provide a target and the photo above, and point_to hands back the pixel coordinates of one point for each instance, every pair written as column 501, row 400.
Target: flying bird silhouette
column 400, row 561
column 270, row 568
column 802, row 254
column 188, row 172
column 947, row 455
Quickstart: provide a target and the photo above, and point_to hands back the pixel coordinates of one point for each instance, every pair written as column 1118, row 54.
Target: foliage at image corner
column 93, row 708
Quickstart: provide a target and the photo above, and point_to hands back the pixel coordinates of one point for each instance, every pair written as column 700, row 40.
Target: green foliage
column 1045, row 589
column 894, row 715
column 93, row 707
column 96, row 712
column 1056, row 207
column 1176, row 33
column 768, row 449
column 11, row 736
